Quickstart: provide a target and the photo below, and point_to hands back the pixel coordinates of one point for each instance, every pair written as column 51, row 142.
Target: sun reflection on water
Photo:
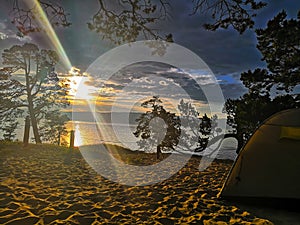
column 78, row 140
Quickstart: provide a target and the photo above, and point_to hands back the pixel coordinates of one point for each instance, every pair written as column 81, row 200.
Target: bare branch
column 26, row 18
column 236, row 13
column 128, row 19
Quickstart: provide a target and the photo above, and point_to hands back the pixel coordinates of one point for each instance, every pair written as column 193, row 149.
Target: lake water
column 87, row 133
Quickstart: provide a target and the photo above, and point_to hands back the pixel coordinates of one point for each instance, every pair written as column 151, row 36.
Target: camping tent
column 268, row 166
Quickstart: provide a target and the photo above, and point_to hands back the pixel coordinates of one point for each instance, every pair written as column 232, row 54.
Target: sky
column 226, row 52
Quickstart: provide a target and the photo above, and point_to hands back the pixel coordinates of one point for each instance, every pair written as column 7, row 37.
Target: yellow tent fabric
column 290, row 133
column 268, row 164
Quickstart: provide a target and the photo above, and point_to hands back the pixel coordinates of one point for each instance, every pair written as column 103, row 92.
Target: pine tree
column 28, row 85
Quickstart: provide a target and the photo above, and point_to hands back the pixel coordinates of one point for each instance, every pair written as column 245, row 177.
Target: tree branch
column 129, row 20
column 236, row 13
column 26, row 19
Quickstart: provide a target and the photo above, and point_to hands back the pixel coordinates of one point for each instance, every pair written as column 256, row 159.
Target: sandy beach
column 44, row 184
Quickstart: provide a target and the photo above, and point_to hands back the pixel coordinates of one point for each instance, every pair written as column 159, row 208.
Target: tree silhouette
column 197, row 133
column 205, row 129
column 270, row 89
column 246, row 113
column 9, row 127
column 9, row 111
column 53, row 127
column 29, row 84
column 166, row 131
column 189, row 118
column 124, row 21
column 157, row 128
column 279, row 44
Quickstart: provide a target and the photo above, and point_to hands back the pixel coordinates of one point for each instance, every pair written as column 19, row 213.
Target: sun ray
column 51, row 34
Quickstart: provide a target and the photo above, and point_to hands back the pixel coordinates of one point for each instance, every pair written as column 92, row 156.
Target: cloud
column 141, row 81
column 231, row 85
column 8, row 38
column 233, row 90
column 2, row 25
column 7, row 32
column 153, row 78
column 3, row 36
column 224, row 51
column 4, row 32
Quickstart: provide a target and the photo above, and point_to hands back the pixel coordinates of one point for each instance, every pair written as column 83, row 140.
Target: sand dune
column 44, row 184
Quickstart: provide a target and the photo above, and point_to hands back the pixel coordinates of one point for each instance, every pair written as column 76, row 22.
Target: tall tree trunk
column 26, row 131
column 31, row 109
column 33, row 120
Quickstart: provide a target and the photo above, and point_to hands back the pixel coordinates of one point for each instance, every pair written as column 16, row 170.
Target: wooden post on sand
column 72, row 138
column 58, row 138
column 158, row 151
column 26, row 131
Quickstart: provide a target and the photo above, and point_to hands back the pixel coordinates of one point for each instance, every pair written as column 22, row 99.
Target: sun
column 74, row 83
column 78, row 85
column 74, row 71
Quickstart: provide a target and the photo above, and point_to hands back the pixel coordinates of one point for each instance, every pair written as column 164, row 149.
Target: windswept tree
column 30, row 85
column 273, row 88
column 159, row 129
column 196, row 131
column 187, row 131
column 189, row 118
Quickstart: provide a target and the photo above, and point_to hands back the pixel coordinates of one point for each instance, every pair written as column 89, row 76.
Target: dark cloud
column 233, row 91
column 152, row 78
column 225, row 51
